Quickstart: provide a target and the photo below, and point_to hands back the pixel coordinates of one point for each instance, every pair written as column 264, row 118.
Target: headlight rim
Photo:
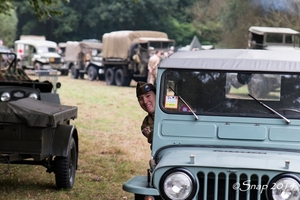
column 278, row 177
column 1, row 96
column 173, row 170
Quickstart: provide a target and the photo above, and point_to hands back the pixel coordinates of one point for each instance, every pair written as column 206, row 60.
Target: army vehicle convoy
column 35, row 129
column 216, row 139
column 125, row 54
column 37, row 53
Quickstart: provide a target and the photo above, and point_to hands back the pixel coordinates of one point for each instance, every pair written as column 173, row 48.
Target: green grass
column 111, row 148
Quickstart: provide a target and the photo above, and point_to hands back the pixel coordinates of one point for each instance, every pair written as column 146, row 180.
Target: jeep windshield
column 213, row 92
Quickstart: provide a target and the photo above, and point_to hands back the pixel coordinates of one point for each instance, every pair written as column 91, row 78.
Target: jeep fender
column 61, row 140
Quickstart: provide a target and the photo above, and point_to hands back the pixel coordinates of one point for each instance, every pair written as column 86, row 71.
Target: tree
column 84, row 19
column 42, row 8
column 8, row 24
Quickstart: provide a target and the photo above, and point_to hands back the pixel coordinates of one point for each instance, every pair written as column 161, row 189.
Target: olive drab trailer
column 35, row 129
column 125, row 54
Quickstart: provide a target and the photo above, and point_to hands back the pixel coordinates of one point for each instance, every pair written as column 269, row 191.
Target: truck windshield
column 227, row 93
column 46, row 49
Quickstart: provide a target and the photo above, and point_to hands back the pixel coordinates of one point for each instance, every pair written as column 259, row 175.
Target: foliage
column 223, row 23
column 8, row 24
column 83, row 19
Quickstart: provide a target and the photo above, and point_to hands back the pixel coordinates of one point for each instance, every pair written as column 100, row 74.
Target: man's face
column 147, row 102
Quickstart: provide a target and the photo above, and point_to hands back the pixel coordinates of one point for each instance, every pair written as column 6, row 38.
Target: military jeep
column 35, row 128
column 216, row 139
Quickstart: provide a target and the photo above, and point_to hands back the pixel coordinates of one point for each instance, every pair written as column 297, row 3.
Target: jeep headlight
column 178, row 184
column 285, row 187
column 33, row 96
column 5, row 96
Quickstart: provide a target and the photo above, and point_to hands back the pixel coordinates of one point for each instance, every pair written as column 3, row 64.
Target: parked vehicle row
column 121, row 57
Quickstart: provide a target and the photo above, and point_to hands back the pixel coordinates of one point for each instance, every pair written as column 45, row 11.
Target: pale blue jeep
column 227, row 126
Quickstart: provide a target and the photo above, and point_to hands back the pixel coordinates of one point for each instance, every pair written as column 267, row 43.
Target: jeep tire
column 65, row 167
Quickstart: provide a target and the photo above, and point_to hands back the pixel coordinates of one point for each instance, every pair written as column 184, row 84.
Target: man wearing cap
column 145, row 93
column 152, row 67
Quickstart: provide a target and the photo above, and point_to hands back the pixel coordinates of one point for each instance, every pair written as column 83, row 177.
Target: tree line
column 223, row 23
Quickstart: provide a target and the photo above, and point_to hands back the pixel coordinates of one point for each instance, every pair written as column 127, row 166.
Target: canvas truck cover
column 235, row 59
column 262, row 30
column 117, row 44
column 73, row 48
column 35, row 113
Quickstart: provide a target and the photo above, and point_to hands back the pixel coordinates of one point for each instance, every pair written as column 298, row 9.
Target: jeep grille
column 55, row 60
column 232, row 185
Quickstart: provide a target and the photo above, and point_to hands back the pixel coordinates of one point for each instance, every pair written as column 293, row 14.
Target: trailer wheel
column 110, row 76
column 74, row 72
column 92, row 73
column 121, row 80
column 65, row 168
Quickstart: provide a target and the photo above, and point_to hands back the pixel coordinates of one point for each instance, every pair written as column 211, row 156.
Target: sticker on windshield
column 171, row 102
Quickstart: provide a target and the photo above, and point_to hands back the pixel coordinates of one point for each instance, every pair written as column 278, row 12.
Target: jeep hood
column 35, row 113
column 49, row 55
column 229, row 158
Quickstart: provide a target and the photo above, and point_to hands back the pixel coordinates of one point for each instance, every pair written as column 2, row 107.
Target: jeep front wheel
column 65, row 168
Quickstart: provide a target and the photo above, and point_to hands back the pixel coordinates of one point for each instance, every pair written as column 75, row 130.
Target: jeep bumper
column 139, row 185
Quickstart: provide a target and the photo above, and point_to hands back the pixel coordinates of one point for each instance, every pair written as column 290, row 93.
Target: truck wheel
column 92, row 73
column 74, row 72
column 121, row 80
column 65, row 168
column 110, row 76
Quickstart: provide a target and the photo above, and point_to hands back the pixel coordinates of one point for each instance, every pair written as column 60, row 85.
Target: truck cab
column 273, row 38
column 215, row 137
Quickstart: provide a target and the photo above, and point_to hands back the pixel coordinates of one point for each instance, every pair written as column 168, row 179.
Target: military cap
column 143, row 88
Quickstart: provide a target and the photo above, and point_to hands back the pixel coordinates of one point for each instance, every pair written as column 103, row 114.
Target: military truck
column 126, row 53
column 212, row 142
column 35, row 129
column 84, row 57
column 37, row 53
column 273, row 38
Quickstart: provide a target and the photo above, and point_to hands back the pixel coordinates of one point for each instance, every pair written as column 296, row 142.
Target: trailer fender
column 62, row 138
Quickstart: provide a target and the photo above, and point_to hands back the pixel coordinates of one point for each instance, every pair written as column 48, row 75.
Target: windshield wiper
column 196, row 117
column 271, row 109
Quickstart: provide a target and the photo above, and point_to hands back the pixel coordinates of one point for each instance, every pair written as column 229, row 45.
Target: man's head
column 145, row 93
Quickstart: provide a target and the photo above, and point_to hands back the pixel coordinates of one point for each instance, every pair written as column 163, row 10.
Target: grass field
column 111, row 148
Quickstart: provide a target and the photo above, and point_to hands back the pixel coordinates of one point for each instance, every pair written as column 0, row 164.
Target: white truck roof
column 260, row 30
